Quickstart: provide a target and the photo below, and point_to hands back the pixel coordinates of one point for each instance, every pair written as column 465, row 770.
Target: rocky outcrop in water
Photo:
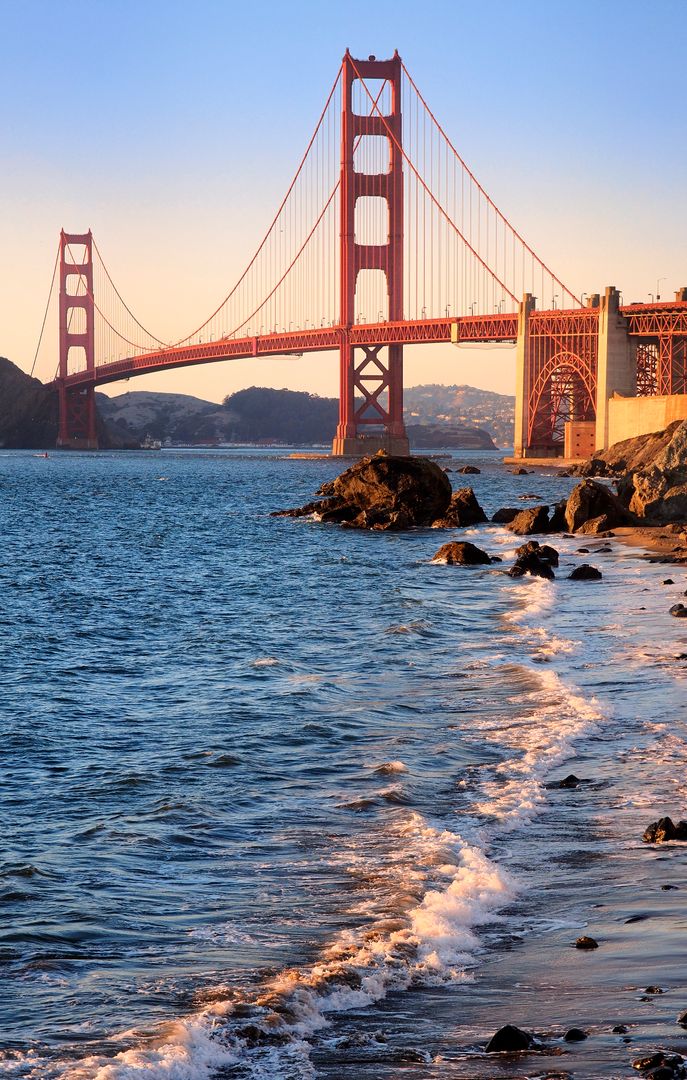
column 542, row 551
column 505, row 515
column 509, row 1039
column 585, row 572
column 383, row 492
column 664, row 830
column 531, row 563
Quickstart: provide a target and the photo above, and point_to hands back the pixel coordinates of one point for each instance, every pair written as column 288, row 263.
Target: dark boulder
column 591, row 500
column 462, row 510
column 543, row 551
column 533, row 565
column 678, row 611
column 414, row 485
column 575, row 1035
column 585, row 572
column 383, row 492
column 586, row 943
column 519, row 471
column 570, row 781
column 469, row 469
column 461, row 554
column 664, row 830
column 508, row 1040
column 534, row 520
column 506, row 515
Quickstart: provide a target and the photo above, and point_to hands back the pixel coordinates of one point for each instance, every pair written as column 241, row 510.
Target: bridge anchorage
column 385, row 239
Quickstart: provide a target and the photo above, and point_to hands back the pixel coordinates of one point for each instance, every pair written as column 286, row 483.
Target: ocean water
column 274, row 796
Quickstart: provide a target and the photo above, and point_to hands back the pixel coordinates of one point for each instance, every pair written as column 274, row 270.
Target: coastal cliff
column 28, row 410
column 29, row 414
column 651, row 473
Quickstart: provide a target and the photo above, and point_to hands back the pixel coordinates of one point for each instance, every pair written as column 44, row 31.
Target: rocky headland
column 29, row 414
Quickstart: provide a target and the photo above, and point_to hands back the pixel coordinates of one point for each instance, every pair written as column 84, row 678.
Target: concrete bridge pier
column 616, row 362
column 522, row 387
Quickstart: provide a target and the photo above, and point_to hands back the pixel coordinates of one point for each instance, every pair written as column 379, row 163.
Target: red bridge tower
column 371, row 394
column 78, row 429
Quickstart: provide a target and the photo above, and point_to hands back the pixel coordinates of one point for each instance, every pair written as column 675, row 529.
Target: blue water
column 265, row 781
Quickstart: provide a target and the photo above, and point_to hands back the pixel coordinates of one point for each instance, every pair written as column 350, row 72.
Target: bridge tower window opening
column 371, row 223
column 372, row 155
column 380, row 90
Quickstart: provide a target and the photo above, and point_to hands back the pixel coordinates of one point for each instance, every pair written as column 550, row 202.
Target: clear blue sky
column 172, row 129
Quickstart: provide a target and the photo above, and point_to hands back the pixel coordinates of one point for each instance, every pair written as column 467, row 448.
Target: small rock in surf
column 586, row 943
column 575, row 1035
column 585, row 572
column 508, row 1039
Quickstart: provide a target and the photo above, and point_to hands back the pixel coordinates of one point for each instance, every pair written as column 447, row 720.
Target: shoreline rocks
column 462, row 510
column 462, row 553
column 651, row 472
column 585, row 572
column 508, row 1040
column 526, row 522
column 664, row 830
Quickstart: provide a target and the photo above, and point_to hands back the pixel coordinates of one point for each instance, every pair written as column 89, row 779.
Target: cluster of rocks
column 661, row 1066
column 510, row 1039
column 650, row 471
column 385, row 492
column 664, row 830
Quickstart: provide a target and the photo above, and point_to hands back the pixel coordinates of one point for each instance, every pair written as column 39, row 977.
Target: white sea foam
column 388, row 767
column 226, row 933
column 265, row 661
column 432, row 939
column 187, row 1051
column 543, row 739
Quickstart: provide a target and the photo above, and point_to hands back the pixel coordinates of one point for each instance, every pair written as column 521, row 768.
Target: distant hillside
column 451, row 405
column 260, row 414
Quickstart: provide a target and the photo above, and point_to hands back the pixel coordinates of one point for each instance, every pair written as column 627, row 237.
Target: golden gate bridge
column 384, row 238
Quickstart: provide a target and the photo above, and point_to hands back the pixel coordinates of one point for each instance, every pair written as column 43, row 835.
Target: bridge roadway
column 477, row 328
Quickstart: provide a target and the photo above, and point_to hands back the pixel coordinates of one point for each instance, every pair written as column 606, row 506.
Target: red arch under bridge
column 384, row 238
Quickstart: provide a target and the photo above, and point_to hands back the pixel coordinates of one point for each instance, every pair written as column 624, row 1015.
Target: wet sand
column 667, row 541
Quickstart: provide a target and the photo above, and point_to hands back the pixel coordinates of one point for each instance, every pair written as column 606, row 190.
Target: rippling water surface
column 274, row 795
